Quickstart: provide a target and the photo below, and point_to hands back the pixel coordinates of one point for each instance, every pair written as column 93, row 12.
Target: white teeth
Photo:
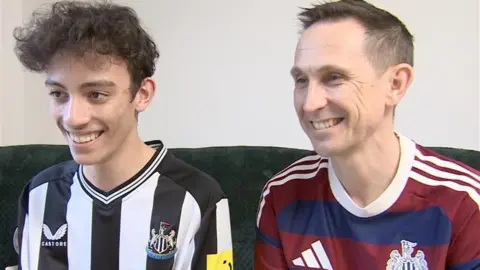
column 83, row 138
column 319, row 125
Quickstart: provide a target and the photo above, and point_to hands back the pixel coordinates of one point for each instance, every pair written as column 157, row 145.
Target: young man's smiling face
column 91, row 102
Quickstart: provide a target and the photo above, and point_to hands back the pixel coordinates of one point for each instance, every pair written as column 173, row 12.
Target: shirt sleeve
column 268, row 249
column 21, row 233
column 214, row 239
column 464, row 250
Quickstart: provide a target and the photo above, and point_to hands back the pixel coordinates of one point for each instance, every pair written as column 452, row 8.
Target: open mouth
column 85, row 138
column 324, row 124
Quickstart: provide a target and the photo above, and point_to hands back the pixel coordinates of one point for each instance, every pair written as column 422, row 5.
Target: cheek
column 298, row 100
column 120, row 115
column 346, row 98
column 56, row 110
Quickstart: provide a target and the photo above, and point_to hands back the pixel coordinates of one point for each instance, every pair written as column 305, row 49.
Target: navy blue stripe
column 268, row 240
column 427, row 227
column 470, row 265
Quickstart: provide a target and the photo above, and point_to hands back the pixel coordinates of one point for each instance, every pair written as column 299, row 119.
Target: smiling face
column 340, row 98
column 92, row 106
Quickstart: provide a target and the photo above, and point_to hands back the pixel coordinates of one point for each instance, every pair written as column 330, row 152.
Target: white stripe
column 79, row 230
column 290, row 169
column 135, row 225
column 36, row 209
column 190, row 219
column 322, row 255
column 298, row 262
column 447, row 164
column 446, row 175
column 310, row 259
column 137, row 182
column 25, row 254
column 300, row 176
column 452, row 185
column 224, row 237
column 295, row 167
column 141, row 179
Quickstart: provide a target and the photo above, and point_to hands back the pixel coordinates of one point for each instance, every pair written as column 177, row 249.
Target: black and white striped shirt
column 168, row 216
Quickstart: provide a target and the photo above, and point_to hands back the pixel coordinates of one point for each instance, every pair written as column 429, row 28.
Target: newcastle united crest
column 162, row 243
column 405, row 260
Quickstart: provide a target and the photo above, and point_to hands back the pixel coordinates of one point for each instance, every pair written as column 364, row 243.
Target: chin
column 85, row 158
column 325, row 148
column 322, row 151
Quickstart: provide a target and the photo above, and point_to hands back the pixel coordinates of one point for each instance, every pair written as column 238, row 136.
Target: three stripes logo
column 314, row 257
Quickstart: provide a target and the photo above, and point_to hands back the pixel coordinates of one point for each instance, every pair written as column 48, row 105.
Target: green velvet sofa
column 241, row 170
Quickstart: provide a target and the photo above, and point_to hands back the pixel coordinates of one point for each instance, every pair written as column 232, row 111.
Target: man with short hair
column 120, row 203
column 369, row 197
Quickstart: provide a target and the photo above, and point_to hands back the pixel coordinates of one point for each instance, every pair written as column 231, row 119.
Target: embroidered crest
column 54, row 239
column 405, row 260
column 162, row 245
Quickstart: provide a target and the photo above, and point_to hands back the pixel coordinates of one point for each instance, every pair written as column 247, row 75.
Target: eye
column 97, row 96
column 58, row 94
column 301, row 82
column 331, row 77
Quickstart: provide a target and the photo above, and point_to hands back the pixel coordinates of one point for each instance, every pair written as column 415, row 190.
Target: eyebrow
column 296, row 71
column 97, row 83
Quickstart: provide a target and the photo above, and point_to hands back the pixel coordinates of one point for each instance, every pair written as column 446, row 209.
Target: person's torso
column 410, row 226
column 335, row 239
column 146, row 223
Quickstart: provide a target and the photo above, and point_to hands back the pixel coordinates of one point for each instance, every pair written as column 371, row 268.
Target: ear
column 144, row 94
column 401, row 77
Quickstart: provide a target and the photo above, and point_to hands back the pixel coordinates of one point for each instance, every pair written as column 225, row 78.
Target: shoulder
column 60, row 172
column 305, row 168
column 458, row 182
column 201, row 186
column 296, row 181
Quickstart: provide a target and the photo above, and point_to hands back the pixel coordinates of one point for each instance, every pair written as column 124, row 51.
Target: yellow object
column 220, row 261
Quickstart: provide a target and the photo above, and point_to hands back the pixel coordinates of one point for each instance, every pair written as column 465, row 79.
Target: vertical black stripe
column 167, row 207
column 206, row 239
column 105, row 235
column 54, row 240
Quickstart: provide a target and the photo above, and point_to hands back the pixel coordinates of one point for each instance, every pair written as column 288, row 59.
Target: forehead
column 338, row 43
column 72, row 70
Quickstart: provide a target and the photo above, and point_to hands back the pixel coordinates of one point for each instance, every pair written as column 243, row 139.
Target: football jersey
column 168, row 216
column 427, row 218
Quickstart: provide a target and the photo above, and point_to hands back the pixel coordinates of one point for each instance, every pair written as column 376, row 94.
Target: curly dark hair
column 82, row 27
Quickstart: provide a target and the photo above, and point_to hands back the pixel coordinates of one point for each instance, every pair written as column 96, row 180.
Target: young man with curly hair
column 368, row 197
column 121, row 203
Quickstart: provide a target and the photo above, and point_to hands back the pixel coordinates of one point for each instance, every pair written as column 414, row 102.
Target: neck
column 367, row 171
column 120, row 166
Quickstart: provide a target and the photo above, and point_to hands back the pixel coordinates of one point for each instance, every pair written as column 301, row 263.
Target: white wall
column 1, row 69
column 223, row 77
column 12, row 91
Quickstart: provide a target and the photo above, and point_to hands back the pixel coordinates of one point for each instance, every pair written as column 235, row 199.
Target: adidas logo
column 314, row 257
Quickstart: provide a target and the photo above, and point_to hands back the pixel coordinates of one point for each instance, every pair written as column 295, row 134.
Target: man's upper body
column 121, row 203
column 428, row 217
column 168, row 216
column 369, row 198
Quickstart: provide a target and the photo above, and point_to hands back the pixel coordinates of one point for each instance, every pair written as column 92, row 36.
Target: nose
column 315, row 98
column 76, row 113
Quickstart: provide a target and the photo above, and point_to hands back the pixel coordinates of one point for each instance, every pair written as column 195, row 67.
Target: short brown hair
column 81, row 27
column 388, row 40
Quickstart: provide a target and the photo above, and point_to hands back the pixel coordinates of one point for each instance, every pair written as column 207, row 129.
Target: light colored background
column 223, row 75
